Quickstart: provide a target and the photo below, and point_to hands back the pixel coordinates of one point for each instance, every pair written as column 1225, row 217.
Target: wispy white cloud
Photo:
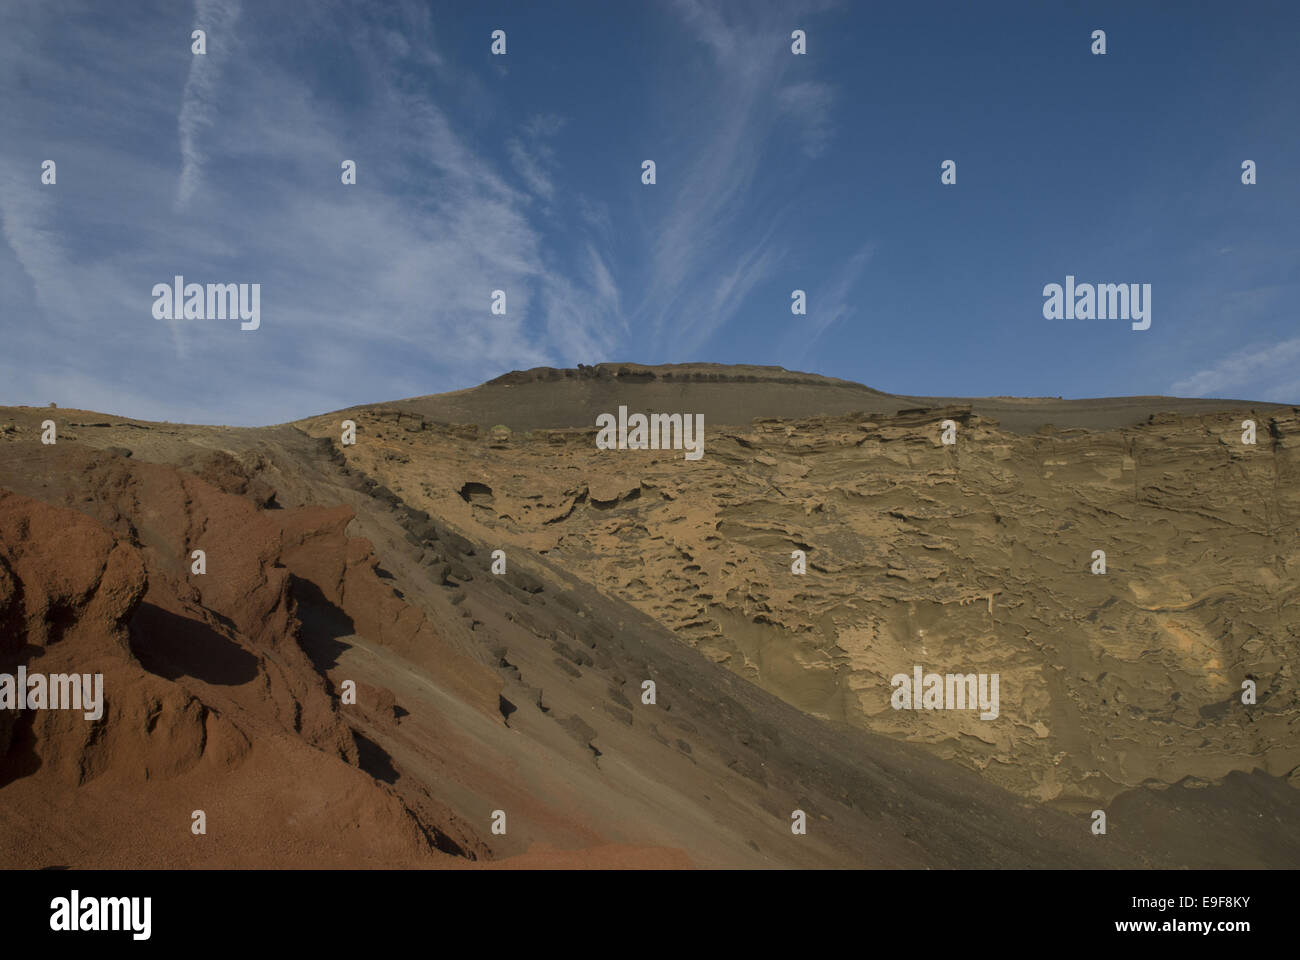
column 199, row 100
column 837, row 302
column 370, row 291
column 809, row 103
column 379, row 289
column 25, row 218
column 602, row 280
column 533, row 156
column 699, row 275
column 1259, row 372
column 530, row 168
column 829, row 303
column 543, row 126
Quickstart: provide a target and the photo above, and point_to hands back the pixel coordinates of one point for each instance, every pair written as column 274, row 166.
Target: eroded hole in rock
column 174, row 646
column 20, row 759
column 59, row 619
column 322, row 624
column 445, row 843
column 474, row 492
column 374, row 760
column 506, row 707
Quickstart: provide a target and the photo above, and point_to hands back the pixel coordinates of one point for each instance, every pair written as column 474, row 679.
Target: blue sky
column 522, row 172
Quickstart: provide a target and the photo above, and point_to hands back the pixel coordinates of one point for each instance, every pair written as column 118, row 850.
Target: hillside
column 522, row 691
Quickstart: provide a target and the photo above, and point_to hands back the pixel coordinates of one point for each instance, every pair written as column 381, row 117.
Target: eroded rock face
column 67, row 590
column 210, row 701
column 62, row 574
column 974, row 557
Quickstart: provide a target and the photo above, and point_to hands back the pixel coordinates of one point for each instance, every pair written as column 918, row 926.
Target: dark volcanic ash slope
column 521, row 693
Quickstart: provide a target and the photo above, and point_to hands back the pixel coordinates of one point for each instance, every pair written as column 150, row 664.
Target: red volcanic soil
column 211, row 702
